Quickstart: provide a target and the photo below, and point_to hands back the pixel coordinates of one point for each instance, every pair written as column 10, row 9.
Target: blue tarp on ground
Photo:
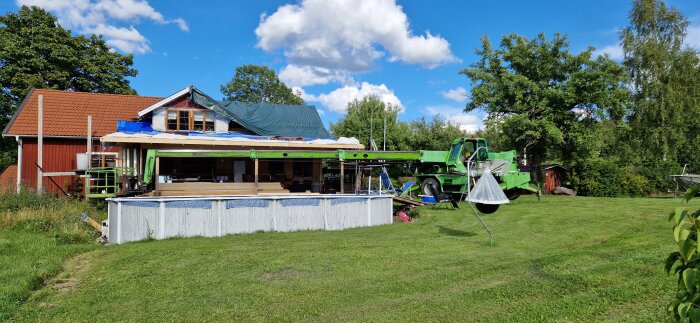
column 268, row 119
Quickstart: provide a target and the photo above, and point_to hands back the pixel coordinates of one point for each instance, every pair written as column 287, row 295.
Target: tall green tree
column 365, row 118
column 665, row 77
column 256, row 83
column 36, row 52
column 433, row 134
column 541, row 93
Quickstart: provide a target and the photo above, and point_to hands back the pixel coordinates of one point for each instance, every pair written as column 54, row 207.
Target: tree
column 433, row 134
column 36, row 52
column 665, row 76
column 542, row 94
column 255, row 83
column 365, row 118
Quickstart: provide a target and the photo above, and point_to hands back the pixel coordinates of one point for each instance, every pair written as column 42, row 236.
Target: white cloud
column 458, row 94
column 295, row 76
column 615, row 52
column 469, row 122
column 338, row 99
column 101, row 17
column 347, row 36
column 692, row 38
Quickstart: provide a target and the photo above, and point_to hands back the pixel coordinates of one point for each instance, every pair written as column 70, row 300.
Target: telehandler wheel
column 486, row 208
column 513, row 193
column 426, row 189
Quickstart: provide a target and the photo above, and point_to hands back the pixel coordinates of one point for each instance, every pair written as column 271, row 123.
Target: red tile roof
column 8, row 179
column 65, row 112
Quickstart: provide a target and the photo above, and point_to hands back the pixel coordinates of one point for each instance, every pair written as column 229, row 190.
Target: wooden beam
column 40, row 145
column 59, row 174
column 19, row 164
column 230, row 143
column 89, row 140
column 157, row 173
column 342, row 178
column 256, row 176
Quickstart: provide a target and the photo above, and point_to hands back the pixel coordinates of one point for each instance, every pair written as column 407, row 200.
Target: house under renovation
column 189, row 165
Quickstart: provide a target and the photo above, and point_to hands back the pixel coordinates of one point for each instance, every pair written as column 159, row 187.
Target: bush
column 606, row 178
column 686, row 305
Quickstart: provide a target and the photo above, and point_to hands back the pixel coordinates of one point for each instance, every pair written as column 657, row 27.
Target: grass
column 563, row 259
column 37, row 235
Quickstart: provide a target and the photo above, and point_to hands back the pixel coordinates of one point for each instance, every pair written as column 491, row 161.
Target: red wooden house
column 65, row 117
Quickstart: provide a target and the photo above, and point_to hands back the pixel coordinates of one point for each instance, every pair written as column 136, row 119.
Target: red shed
column 554, row 176
column 65, row 130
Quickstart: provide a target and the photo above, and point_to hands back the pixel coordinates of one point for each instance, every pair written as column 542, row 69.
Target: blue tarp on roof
column 268, row 119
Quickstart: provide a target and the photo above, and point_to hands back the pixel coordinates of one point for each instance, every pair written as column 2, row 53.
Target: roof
column 8, row 178
column 550, row 166
column 267, row 119
column 66, row 112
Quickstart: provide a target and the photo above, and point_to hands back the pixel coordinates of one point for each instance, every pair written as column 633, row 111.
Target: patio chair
column 442, row 198
column 386, row 184
column 406, row 188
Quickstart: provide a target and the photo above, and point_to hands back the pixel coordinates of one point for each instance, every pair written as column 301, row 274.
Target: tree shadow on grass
column 454, row 233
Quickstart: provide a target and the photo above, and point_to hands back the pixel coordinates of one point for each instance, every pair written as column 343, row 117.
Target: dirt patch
column 67, row 281
column 283, row 274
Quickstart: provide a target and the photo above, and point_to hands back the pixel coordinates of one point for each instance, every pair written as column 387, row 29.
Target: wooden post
column 256, row 176
column 89, row 140
column 40, row 146
column 19, row 164
column 156, row 175
column 342, row 178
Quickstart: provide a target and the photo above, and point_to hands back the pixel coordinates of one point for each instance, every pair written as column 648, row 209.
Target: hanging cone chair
column 487, row 194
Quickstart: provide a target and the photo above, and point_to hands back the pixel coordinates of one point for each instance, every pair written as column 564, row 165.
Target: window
column 172, row 120
column 190, row 119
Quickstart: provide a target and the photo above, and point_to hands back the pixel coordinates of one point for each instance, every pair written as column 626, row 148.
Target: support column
column 40, row 146
column 156, row 175
column 256, row 176
column 342, row 177
column 19, row 164
column 89, row 140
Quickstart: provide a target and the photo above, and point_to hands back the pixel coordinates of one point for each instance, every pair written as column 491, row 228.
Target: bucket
column 82, row 161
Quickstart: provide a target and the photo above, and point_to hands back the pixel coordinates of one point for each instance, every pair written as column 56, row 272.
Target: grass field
column 579, row 259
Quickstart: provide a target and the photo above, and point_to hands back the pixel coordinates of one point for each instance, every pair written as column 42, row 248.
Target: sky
column 409, row 53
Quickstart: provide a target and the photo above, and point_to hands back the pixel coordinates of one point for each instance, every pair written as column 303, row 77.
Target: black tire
column 487, row 208
column 426, row 189
column 513, row 193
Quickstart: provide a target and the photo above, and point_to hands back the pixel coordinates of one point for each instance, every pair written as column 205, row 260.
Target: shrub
column 605, row 177
column 686, row 306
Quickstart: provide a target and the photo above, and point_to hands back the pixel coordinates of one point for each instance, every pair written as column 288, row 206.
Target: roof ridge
column 99, row 93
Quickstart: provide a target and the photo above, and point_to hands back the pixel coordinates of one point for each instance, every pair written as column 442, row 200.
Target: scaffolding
column 103, row 182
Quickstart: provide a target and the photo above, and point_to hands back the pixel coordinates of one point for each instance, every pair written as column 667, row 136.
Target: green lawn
column 26, row 260
column 562, row 259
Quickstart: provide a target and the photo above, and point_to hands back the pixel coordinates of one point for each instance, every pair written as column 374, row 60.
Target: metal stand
column 482, row 223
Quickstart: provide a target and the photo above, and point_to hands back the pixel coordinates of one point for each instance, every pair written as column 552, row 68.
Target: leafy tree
column 255, row 83
column 365, row 118
column 540, row 92
column 665, row 78
column 36, row 52
column 433, row 134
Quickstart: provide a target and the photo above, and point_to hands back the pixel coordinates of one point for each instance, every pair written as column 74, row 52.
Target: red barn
column 65, row 117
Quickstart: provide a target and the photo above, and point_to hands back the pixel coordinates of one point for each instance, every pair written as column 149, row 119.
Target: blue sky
column 409, row 53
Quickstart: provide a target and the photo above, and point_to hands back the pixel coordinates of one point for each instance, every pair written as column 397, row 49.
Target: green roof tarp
column 267, row 119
